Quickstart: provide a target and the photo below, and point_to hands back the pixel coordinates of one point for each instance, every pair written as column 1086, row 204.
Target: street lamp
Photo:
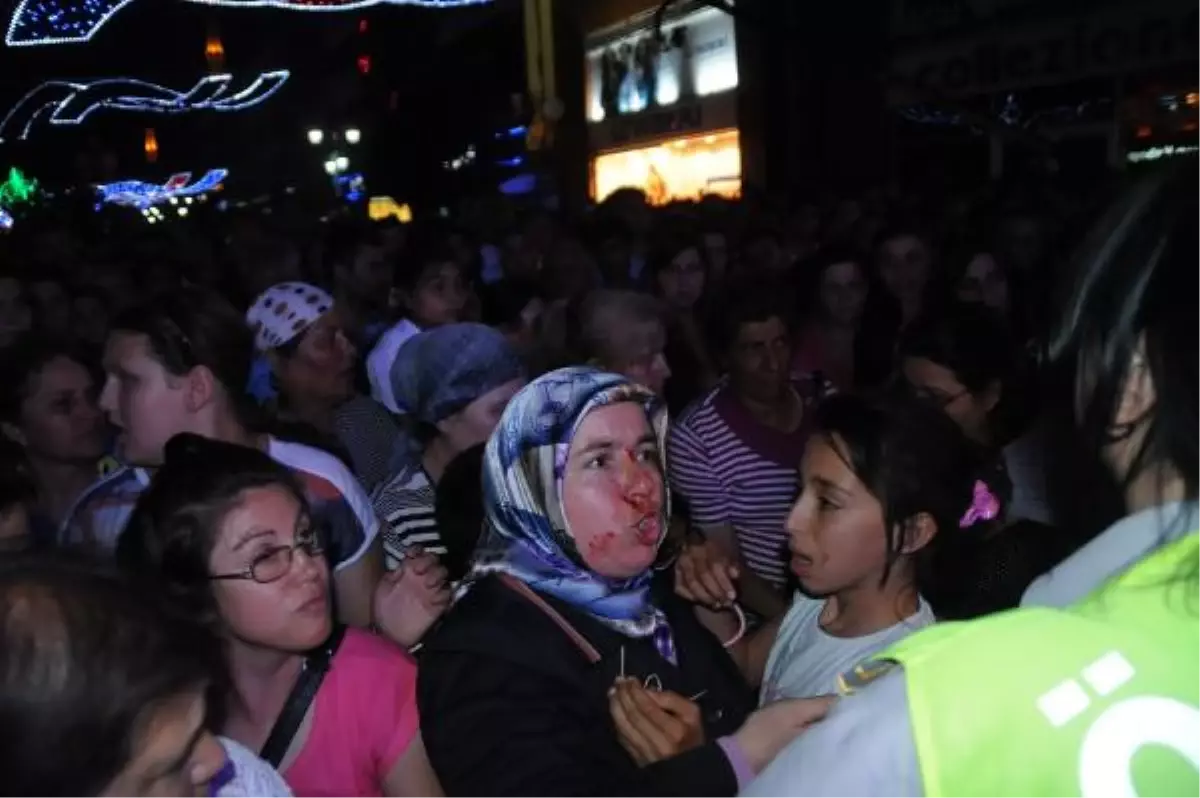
column 315, row 136
column 353, row 135
column 331, row 167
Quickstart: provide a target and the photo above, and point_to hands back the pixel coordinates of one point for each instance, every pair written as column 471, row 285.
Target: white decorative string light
column 72, row 102
column 46, row 22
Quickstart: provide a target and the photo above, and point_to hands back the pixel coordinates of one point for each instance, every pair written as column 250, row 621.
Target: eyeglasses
column 274, row 563
column 939, row 400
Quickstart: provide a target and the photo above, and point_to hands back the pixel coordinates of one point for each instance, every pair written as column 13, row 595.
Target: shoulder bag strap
column 316, row 665
column 516, row 585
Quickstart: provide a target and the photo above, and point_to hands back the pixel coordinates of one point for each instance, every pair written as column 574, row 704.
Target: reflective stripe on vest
column 1102, row 698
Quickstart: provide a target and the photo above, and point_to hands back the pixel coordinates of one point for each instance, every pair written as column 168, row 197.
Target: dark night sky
column 452, row 71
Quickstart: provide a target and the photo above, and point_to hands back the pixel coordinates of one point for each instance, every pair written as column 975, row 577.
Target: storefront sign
column 702, row 114
column 1137, row 37
column 651, row 124
column 637, row 72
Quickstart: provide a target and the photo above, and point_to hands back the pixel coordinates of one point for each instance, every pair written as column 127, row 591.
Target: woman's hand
column 409, row 599
column 706, row 574
column 767, row 731
column 653, row 725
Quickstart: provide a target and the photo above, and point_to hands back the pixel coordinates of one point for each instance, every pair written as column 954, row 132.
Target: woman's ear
column 919, row 532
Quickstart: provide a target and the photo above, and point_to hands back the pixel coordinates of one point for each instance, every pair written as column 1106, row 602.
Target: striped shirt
column 735, row 471
column 405, row 503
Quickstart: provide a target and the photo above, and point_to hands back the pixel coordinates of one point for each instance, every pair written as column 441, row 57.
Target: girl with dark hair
column 904, row 265
column 225, row 534
column 103, row 693
column 681, row 280
column 962, row 360
column 889, row 502
column 430, row 290
column 834, row 341
column 1094, row 685
column 48, row 409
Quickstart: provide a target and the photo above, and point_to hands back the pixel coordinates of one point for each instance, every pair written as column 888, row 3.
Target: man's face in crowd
column 142, row 399
column 759, row 359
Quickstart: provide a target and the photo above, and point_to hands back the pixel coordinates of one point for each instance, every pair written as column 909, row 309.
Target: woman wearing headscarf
column 305, row 373
column 561, row 606
column 455, row 381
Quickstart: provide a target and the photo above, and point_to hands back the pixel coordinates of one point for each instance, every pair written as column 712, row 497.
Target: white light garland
column 72, row 102
column 48, row 22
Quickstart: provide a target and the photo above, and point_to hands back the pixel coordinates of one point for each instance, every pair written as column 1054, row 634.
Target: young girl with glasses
column 226, row 535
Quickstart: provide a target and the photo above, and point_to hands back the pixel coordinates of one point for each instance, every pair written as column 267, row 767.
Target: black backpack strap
column 316, row 665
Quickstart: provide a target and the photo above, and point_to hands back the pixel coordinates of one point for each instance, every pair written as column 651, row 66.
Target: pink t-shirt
column 365, row 717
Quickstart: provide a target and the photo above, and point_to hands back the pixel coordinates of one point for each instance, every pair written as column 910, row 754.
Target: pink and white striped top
column 734, row 470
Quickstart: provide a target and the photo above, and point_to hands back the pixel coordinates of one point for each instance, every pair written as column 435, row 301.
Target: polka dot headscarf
column 284, row 311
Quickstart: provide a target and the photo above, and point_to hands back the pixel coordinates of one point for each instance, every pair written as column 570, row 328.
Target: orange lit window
column 680, row 169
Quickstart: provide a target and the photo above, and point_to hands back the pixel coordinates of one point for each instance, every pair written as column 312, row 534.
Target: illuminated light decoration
column 384, row 207
column 315, row 136
column 6, row 220
column 1157, row 153
column 66, row 102
column 151, row 146
column 46, row 22
column 214, row 53
column 140, row 195
column 514, row 161
column 364, row 64
column 353, row 135
column 17, row 188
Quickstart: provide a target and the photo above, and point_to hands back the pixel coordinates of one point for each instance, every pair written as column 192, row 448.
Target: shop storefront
column 1101, row 83
column 662, row 111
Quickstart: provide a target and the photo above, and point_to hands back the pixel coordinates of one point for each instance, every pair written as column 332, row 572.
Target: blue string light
column 137, row 194
column 45, row 22
column 6, row 220
column 69, row 103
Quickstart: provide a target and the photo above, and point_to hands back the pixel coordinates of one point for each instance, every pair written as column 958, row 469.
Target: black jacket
column 512, row 705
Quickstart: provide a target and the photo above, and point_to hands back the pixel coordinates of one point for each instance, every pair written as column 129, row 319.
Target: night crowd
column 698, row 499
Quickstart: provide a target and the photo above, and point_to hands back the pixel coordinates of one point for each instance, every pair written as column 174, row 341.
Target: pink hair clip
column 984, row 506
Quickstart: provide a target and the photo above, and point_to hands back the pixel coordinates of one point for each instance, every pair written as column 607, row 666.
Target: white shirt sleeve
column 864, row 746
column 251, row 775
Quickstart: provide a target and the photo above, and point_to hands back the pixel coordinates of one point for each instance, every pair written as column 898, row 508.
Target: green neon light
column 17, row 188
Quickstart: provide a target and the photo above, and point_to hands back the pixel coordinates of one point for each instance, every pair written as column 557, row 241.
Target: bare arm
column 355, row 584
column 412, row 774
column 751, row 652
column 754, row 592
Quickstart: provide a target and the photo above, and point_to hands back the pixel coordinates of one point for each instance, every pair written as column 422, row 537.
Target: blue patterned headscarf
column 526, row 535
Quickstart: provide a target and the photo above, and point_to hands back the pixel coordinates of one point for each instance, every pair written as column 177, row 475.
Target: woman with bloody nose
column 562, row 615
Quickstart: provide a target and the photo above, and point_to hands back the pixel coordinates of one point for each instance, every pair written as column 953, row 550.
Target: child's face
column 836, row 528
column 439, row 297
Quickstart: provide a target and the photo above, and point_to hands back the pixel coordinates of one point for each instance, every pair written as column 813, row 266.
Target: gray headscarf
column 440, row 371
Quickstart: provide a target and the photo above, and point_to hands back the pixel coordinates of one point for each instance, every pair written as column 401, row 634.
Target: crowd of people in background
column 527, row 505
